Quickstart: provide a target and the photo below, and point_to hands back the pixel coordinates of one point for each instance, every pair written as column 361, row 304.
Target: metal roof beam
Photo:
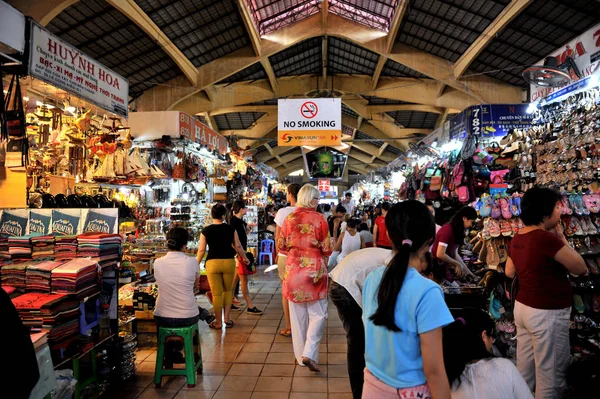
column 481, row 88
column 510, row 12
column 250, row 26
column 395, row 25
column 43, row 11
column 378, row 69
column 131, row 10
column 380, row 109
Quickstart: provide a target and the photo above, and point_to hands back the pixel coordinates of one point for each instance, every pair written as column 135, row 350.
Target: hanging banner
column 309, row 122
column 585, row 51
column 492, row 120
column 193, row 129
column 58, row 63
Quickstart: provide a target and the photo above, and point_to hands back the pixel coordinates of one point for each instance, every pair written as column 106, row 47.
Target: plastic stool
column 266, row 249
column 187, row 333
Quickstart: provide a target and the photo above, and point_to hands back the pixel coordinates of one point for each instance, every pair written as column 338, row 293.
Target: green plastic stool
column 191, row 368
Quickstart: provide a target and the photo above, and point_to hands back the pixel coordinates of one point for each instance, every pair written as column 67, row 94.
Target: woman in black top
column 223, row 242
column 238, row 212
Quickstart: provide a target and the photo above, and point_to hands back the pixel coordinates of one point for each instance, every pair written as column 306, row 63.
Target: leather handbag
column 14, row 114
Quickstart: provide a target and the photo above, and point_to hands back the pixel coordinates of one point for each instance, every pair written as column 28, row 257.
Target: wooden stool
column 191, row 367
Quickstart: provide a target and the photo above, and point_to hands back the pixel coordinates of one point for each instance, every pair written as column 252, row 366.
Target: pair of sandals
column 228, row 324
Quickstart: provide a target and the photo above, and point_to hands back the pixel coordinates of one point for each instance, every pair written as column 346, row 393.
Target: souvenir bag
column 14, row 114
column 13, row 125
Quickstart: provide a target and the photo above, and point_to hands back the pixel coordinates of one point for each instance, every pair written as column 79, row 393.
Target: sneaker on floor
column 254, row 311
column 233, row 307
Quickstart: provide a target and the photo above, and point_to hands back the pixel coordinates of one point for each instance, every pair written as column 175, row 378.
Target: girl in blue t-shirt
column 404, row 314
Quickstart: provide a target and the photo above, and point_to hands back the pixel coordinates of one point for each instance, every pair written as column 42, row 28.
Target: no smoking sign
column 309, row 110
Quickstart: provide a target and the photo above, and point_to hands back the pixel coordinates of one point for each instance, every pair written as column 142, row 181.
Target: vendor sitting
column 176, row 276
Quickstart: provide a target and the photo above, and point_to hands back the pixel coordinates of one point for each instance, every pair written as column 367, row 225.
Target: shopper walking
column 223, row 243
column 349, row 241
column 335, row 222
column 237, row 222
column 380, row 237
column 365, row 218
column 404, row 313
column 348, row 203
column 347, row 280
column 472, row 370
column 449, row 239
column 540, row 256
column 367, row 237
column 282, row 214
column 305, row 240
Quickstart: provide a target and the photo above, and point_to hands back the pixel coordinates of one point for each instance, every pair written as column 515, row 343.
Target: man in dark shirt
column 21, row 372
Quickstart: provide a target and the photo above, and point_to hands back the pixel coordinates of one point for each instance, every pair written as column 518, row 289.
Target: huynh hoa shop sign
column 58, row 63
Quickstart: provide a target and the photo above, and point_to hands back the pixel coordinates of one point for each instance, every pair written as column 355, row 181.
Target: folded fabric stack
column 38, row 275
column 58, row 312
column 42, row 247
column 4, row 253
column 20, row 247
column 103, row 248
column 78, row 276
column 13, row 274
column 65, row 247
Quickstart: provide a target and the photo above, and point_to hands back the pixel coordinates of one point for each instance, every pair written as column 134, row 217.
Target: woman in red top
column 305, row 240
column 448, row 240
column 541, row 257
column 380, row 237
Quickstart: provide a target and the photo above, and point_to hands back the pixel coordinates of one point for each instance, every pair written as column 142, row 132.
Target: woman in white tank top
column 349, row 241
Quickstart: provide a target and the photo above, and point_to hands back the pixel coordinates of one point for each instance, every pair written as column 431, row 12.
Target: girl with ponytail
column 404, row 313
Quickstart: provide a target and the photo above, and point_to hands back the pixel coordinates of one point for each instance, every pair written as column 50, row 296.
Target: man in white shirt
column 292, row 197
column 348, row 203
column 347, row 280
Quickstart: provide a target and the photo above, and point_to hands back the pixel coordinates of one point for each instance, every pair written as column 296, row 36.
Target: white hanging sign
column 56, row 62
column 584, row 49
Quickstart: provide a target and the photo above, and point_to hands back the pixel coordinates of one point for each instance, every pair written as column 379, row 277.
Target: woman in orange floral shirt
column 305, row 240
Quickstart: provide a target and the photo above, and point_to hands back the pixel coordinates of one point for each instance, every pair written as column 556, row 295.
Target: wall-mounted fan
column 551, row 74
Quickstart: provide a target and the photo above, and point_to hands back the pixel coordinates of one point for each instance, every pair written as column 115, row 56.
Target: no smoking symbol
column 309, row 110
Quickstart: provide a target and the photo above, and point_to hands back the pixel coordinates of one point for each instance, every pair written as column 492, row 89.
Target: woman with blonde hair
column 304, row 238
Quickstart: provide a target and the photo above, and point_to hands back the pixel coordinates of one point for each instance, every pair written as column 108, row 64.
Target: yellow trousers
column 220, row 274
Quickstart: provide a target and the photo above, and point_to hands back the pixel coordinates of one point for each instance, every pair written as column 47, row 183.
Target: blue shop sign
column 491, row 120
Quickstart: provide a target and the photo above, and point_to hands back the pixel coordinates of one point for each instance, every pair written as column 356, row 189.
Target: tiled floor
column 251, row 360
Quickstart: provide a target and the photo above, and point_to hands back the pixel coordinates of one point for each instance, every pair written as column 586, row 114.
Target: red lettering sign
column 195, row 130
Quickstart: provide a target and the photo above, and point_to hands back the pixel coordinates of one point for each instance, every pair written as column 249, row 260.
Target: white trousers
column 543, row 350
column 308, row 322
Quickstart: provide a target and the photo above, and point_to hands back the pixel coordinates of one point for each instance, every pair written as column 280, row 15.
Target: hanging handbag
column 14, row 114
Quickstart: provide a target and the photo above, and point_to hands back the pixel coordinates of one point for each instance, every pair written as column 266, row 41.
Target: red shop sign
column 195, row 130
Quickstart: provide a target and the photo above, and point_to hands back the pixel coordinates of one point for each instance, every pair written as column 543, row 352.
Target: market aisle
column 251, row 360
